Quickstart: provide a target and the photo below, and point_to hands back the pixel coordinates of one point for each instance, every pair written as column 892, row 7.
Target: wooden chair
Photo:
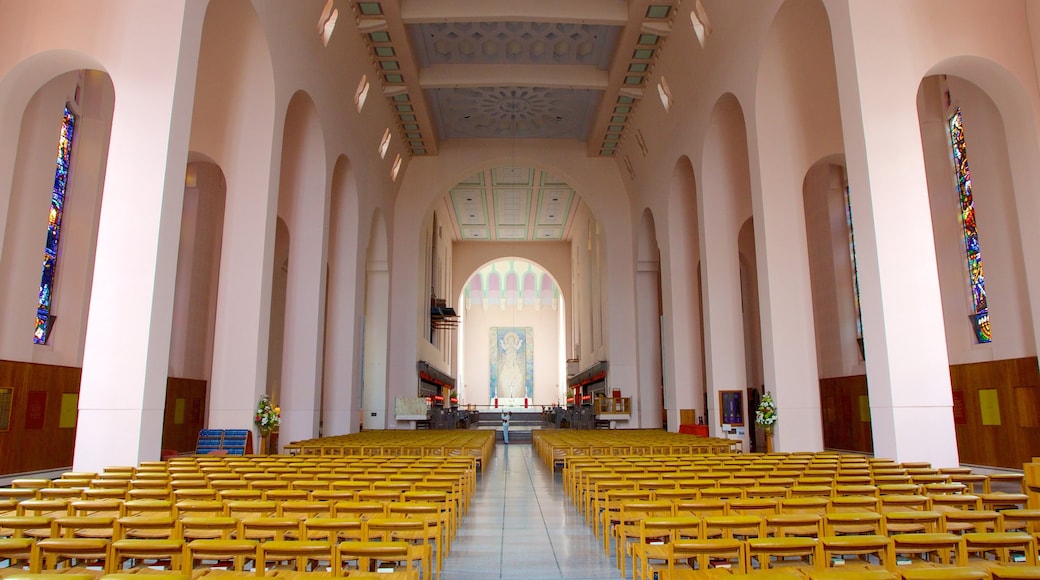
column 929, row 550
column 306, row 555
column 762, row 551
column 239, row 552
column 367, row 555
column 415, row 532
column 628, row 528
column 667, row 528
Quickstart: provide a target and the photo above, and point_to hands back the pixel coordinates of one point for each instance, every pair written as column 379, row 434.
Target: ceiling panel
column 470, row 207
column 525, row 204
column 512, row 206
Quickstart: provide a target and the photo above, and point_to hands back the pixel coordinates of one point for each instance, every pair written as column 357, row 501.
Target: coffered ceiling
column 512, row 204
column 547, row 69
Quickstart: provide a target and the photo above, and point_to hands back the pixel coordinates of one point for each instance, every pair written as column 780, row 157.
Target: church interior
column 323, row 220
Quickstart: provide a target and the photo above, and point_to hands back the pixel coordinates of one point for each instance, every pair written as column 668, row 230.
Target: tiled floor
column 521, row 525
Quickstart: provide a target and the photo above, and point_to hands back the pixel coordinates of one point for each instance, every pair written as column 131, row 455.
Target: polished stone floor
column 521, row 525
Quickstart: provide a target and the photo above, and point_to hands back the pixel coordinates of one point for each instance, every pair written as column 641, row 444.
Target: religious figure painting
column 512, row 362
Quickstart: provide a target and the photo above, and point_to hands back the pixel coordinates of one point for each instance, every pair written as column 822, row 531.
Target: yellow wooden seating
column 365, row 556
column 238, row 551
column 436, row 519
column 18, row 553
column 146, row 553
column 628, row 528
column 334, row 529
column 305, row 555
column 1013, row 572
column 762, row 551
column 930, row 549
column 415, row 532
column 945, row 573
column 997, row 547
column 706, row 553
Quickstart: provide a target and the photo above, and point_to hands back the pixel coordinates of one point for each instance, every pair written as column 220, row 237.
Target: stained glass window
column 980, row 318
column 855, row 268
column 50, row 252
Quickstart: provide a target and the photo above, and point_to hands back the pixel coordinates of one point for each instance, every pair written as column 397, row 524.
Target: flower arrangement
column 765, row 414
column 267, row 417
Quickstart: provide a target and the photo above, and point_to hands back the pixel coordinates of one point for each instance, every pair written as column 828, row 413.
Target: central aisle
column 521, row 525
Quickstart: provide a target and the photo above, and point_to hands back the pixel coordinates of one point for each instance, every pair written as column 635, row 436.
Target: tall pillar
column 126, row 356
column 789, row 364
column 374, row 398
column 344, row 316
column 723, row 317
column 306, row 207
column 907, row 365
column 648, row 320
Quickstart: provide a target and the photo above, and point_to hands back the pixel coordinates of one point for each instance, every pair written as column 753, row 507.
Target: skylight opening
column 665, row 93
column 384, row 144
column 361, row 93
column 396, row 168
column 701, row 24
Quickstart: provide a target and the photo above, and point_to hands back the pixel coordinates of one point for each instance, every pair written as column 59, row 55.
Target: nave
column 522, row 525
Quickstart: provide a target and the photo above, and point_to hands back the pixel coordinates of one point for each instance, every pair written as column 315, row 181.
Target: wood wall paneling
column 45, row 444
column 1015, row 437
column 38, row 439
column 185, row 414
column 846, row 425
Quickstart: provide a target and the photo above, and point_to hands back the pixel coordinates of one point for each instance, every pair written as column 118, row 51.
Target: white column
column 723, row 317
column 682, row 315
column 907, row 365
column 375, row 400
column 650, row 400
column 345, row 314
column 125, row 360
column 303, row 181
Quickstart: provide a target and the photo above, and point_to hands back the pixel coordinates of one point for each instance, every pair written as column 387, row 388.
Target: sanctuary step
column 520, row 424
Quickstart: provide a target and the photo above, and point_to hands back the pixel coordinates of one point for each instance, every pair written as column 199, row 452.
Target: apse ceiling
column 517, row 69
column 511, row 204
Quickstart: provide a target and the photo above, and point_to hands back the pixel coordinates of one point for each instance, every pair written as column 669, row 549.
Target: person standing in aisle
column 505, row 426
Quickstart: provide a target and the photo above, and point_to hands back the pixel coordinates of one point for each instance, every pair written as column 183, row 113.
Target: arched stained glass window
column 50, row 252
column 855, row 273
column 980, row 318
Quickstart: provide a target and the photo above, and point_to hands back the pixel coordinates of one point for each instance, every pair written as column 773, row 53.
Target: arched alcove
column 303, row 191
column 377, row 313
column 977, row 227
column 342, row 385
column 511, row 346
column 650, row 401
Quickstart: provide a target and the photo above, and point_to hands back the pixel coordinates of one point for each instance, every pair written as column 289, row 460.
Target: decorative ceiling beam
column 609, row 12
column 445, row 76
column 638, row 49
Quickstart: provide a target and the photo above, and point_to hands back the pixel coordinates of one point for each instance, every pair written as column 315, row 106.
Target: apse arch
column 511, row 348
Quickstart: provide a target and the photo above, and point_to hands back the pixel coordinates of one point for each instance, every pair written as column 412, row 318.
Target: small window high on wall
column 44, row 318
column 361, row 93
column 384, row 144
column 327, row 22
column 980, row 316
column 701, row 25
column 665, row 92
